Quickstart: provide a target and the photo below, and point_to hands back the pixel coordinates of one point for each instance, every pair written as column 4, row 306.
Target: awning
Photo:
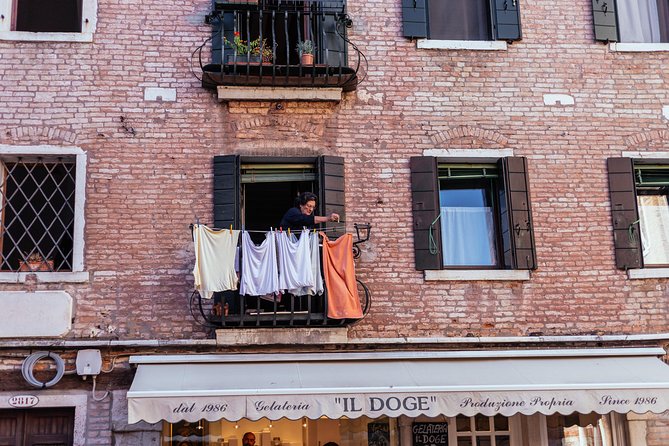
column 274, row 386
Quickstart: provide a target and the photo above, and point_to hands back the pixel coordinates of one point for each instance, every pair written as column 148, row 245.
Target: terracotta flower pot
column 43, row 265
column 307, row 59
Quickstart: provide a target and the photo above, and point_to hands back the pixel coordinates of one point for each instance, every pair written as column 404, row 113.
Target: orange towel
column 339, row 271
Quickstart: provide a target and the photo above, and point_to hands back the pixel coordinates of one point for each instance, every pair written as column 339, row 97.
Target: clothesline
column 337, row 227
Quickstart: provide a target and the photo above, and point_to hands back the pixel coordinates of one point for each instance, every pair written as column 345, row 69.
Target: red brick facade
column 149, row 172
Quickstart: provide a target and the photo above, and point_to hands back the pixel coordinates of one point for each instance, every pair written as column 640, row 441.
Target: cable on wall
column 29, row 364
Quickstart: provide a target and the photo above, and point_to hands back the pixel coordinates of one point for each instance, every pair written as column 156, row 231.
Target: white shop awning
column 335, row 385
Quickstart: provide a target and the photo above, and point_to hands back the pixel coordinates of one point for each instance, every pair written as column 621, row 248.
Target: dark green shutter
column 605, row 20
column 425, row 209
column 414, row 18
column 516, row 214
column 331, row 44
column 624, row 213
column 331, row 190
column 506, row 14
column 227, row 190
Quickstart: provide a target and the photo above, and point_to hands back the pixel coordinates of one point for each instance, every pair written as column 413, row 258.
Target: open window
column 631, row 21
column 255, row 192
column 462, row 19
column 472, row 215
column 640, row 210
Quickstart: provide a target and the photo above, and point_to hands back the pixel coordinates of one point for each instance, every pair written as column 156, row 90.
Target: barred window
column 37, row 212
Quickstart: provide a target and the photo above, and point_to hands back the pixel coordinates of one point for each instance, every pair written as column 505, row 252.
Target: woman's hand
column 334, row 217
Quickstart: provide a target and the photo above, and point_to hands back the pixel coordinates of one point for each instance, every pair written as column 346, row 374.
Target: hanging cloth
column 294, row 261
column 260, row 274
column 339, row 271
column 214, row 260
column 317, row 277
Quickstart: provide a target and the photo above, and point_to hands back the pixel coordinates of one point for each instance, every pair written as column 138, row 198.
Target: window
column 472, row 215
column 580, row 430
column 481, row 430
column 58, row 20
column 634, row 21
column 272, row 29
column 462, row 19
column 41, row 206
column 640, row 211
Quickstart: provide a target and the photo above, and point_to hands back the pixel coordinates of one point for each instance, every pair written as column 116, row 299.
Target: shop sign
column 23, row 401
column 429, row 434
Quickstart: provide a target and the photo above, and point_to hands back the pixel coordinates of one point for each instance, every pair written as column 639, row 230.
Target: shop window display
column 579, row 430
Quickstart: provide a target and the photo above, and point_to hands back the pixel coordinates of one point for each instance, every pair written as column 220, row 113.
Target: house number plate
column 23, row 401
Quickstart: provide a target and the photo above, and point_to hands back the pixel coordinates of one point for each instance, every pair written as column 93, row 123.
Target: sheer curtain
column 654, row 222
column 459, row 19
column 468, row 236
column 641, row 21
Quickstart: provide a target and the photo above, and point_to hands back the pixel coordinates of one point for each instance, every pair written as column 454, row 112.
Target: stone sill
column 474, row 274
column 234, row 93
column 476, row 45
column 46, row 277
column 638, row 47
column 648, row 273
column 24, row 36
column 282, row 336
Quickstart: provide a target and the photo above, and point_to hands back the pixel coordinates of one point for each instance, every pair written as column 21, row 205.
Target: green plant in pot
column 305, row 49
column 245, row 51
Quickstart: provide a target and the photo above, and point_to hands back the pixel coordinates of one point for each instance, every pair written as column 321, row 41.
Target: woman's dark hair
column 330, row 443
column 304, row 198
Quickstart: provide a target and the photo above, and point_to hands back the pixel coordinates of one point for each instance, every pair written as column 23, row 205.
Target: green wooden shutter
column 516, row 214
column 624, row 213
column 506, row 15
column 605, row 20
column 425, row 208
column 227, row 191
column 414, row 18
column 331, row 190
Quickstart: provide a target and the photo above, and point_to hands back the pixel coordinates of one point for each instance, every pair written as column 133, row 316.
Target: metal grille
column 37, row 214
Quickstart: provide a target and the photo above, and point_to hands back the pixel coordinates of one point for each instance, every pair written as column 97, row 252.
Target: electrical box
column 89, row 362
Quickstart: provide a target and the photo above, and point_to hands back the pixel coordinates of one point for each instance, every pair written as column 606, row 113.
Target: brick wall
column 151, row 175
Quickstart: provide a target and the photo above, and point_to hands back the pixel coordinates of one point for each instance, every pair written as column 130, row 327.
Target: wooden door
column 37, row 427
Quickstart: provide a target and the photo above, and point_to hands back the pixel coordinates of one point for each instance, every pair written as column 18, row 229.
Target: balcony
column 230, row 309
column 258, row 47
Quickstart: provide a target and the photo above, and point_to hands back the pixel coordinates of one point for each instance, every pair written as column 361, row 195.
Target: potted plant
column 305, row 49
column 252, row 51
column 35, row 262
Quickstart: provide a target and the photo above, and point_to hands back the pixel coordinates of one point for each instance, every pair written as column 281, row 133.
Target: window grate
column 37, row 214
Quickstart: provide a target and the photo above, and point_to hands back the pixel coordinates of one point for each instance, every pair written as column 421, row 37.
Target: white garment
column 214, row 260
column 294, row 261
column 317, row 277
column 260, row 274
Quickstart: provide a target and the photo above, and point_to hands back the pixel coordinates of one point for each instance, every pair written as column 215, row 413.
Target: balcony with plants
column 286, row 44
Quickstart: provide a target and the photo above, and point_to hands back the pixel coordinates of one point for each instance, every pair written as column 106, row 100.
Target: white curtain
column 468, row 236
column 654, row 223
column 638, row 21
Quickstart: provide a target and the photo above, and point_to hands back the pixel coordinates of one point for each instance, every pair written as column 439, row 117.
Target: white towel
column 214, row 260
column 294, row 261
column 260, row 274
column 316, row 286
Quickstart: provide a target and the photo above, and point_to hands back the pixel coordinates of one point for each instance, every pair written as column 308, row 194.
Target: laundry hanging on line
column 339, row 271
column 215, row 252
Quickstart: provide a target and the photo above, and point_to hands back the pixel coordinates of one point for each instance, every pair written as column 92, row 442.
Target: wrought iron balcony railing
column 262, row 43
column 230, row 309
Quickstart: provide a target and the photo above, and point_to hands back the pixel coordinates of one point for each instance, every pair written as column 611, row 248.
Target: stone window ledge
column 638, row 47
column 476, row 45
column 46, row 277
column 648, row 273
column 474, row 274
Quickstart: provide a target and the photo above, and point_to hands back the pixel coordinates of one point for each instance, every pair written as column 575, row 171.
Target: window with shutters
column 462, row 20
column 41, row 206
column 35, row 427
column 55, row 20
column 472, row 215
column 640, row 212
column 631, row 21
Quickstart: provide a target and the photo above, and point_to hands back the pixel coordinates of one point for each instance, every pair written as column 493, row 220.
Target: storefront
column 411, row 398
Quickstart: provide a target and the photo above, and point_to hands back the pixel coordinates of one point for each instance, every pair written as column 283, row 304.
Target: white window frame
column 464, row 156
column 89, row 19
column 453, row 434
column 77, row 274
